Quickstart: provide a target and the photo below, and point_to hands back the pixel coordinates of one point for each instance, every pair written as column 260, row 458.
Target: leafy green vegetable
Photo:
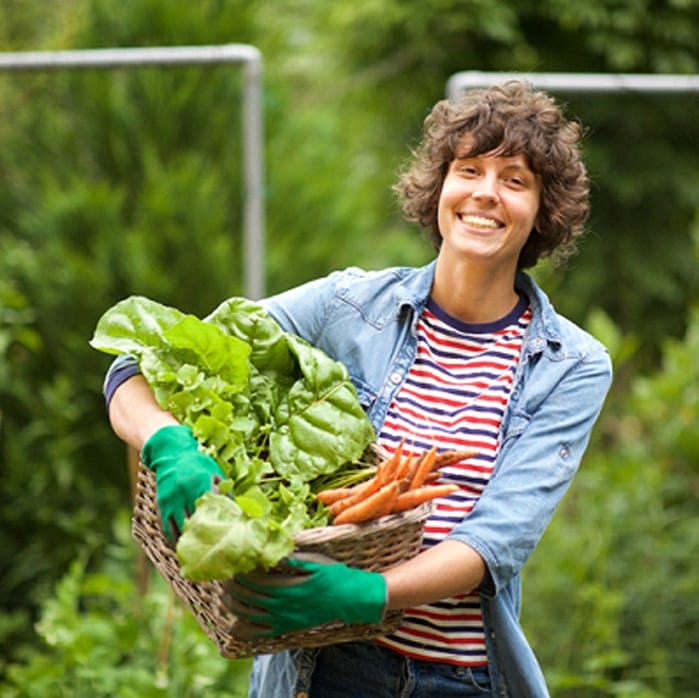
column 223, row 538
column 275, row 412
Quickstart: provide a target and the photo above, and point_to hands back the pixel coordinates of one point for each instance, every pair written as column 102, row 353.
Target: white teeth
column 480, row 222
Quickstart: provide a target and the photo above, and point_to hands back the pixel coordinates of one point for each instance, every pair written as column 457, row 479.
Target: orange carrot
column 451, row 457
column 386, row 470
column 404, row 467
column 423, row 468
column 403, row 484
column 334, row 495
column 410, row 499
column 412, row 466
column 399, row 483
column 372, row 507
column 360, row 492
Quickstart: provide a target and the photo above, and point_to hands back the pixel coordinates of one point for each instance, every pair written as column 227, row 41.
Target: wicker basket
column 374, row 546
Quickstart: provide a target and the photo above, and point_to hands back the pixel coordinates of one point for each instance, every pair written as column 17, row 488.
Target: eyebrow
column 524, row 167
column 518, row 166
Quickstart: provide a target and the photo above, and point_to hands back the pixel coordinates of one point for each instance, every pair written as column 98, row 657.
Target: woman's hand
column 310, row 594
column 183, row 473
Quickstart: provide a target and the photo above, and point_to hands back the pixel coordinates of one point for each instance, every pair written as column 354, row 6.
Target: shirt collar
column 413, row 290
column 545, row 327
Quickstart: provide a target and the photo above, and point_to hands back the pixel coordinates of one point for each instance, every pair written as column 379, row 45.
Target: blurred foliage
column 99, row 640
column 618, row 563
column 128, row 181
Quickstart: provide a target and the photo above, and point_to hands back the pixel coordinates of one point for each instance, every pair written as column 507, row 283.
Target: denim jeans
column 367, row 670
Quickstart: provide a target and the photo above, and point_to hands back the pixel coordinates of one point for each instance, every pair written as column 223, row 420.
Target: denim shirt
column 368, row 321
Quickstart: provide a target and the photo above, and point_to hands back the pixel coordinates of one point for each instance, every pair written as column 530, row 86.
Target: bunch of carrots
column 399, row 483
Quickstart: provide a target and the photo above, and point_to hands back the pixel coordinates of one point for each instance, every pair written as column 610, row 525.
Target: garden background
column 123, row 182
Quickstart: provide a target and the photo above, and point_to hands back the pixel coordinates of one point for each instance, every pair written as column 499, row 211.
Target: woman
column 466, row 352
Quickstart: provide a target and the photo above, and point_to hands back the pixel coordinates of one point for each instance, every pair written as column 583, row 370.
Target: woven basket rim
column 332, row 532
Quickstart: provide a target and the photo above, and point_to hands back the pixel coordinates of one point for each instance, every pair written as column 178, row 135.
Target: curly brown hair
column 509, row 119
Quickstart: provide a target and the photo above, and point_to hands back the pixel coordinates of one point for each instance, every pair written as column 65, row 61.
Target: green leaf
column 320, row 423
column 134, row 324
column 250, row 322
column 216, row 353
column 220, row 540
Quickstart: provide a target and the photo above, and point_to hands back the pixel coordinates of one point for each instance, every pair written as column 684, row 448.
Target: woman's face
column 487, row 207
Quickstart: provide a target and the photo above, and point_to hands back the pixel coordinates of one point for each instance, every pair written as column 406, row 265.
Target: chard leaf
column 134, row 324
column 317, row 367
column 320, row 424
column 217, row 353
column 221, row 540
column 254, row 503
column 293, row 510
column 250, row 322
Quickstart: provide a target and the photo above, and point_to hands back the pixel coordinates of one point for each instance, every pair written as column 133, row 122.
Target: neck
column 473, row 293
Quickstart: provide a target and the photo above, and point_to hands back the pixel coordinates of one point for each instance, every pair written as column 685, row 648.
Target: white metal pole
column 578, row 82
column 254, row 221
column 252, row 128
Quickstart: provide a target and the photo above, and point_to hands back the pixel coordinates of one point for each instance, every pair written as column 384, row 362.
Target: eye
column 467, row 170
column 517, row 181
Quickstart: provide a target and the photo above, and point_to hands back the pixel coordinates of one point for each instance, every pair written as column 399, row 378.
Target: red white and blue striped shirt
column 454, row 396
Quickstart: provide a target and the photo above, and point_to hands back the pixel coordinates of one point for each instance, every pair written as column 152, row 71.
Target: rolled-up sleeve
column 120, row 370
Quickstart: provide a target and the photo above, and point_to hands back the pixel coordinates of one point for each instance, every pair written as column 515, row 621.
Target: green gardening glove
column 183, row 473
column 311, row 594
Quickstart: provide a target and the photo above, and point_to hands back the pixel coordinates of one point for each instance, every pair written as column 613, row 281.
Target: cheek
column 442, row 205
column 445, row 213
column 531, row 211
column 449, row 196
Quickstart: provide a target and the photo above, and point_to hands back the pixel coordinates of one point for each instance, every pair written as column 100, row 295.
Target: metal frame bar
column 253, row 147
column 578, row 82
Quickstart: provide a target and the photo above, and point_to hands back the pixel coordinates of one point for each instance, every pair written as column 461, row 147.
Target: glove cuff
column 372, row 603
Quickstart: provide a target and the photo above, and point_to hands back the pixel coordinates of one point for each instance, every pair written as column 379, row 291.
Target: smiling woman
column 507, row 121
column 464, row 354
column 486, row 211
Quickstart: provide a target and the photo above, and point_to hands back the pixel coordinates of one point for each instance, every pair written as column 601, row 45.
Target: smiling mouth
column 480, row 222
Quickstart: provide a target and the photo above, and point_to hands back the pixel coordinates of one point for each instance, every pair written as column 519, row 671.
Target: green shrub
column 612, row 593
column 101, row 637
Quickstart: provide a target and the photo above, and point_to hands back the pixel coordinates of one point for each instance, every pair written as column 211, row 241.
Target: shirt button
column 395, row 378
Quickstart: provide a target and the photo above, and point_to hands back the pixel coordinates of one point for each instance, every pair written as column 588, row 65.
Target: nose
column 485, row 190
